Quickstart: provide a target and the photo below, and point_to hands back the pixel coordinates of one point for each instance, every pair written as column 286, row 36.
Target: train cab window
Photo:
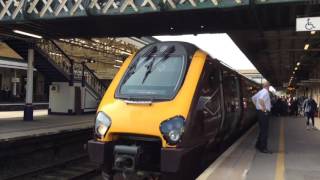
column 155, row 78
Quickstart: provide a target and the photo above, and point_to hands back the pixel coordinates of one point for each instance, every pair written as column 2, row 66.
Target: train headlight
column 102, row 124
column 172, row 129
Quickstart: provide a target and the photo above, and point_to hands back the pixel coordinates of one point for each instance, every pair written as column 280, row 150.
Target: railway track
column 59, row 156
column 72, row 169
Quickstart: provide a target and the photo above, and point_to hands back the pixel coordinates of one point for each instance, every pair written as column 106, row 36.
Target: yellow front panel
column 146, row 119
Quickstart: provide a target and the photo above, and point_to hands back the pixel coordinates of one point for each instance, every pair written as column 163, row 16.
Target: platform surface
column 12, row 127
column 296, row 154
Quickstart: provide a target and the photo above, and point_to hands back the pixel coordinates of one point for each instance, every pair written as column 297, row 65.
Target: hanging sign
column 308, row 24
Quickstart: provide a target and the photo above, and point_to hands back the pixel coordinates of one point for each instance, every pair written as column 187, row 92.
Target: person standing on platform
column 294, row 106
column 263, row 105
column 310, row 108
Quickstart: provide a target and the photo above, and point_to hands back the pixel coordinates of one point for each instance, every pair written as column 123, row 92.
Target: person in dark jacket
column 310, row 108
column 294, row 107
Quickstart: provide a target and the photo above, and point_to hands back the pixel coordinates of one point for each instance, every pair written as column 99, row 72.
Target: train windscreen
column 153, row 78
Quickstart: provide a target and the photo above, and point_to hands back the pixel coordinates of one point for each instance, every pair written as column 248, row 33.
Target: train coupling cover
column 126, row 158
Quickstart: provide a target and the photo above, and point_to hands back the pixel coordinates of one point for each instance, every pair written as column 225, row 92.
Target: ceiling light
column 306, row 46
column 171, row 28
column 202, row 26
column 27, row 34
column 294, row 72
column 116, row 66
column 296, row 68
column 298, row 63
column 313, row 32
column 126, row 53
column 215, row 2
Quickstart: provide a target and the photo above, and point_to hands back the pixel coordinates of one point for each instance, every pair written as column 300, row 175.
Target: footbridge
column 60, row 18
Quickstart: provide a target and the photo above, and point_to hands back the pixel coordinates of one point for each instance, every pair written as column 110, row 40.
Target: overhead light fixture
column 116, row 66
column 298, row 63
column 171, row 28
column 306, row 46
column 119, row 61
column 294, row 72
column 215, row 2
column 296, row 68
column 313, row 32
column 27, row 34
column 126, row 53
column 202, row 26
column 238, row 1
column 55, row 54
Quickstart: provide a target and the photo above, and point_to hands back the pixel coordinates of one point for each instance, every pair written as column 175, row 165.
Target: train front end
column 143, row 117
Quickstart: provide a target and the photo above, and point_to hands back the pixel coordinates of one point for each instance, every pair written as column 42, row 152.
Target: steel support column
column 28, row 110
column 14, row 85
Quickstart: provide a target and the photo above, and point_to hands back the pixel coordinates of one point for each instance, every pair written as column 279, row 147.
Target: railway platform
column 45, row 146
column 12, row 127
column 295, row 154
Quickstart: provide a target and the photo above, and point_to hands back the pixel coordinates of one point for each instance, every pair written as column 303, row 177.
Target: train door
column 210, row 100
column 232, row 105
column 207, row 107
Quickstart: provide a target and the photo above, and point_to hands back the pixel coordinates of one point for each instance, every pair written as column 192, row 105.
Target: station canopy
column 263, row 29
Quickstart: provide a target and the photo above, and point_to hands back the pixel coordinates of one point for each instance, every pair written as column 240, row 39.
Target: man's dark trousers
column 310, row 115
column 262, row 142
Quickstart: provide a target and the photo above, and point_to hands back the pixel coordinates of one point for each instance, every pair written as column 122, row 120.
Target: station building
column 100, row 58
column 13, row 77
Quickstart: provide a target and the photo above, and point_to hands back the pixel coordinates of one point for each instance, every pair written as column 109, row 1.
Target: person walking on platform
column 310, row 108
column 263, row 105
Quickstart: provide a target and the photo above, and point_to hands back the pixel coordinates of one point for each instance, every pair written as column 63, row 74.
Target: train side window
column 230, row 92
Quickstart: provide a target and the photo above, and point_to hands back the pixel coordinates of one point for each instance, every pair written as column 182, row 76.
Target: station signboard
column 308, row 24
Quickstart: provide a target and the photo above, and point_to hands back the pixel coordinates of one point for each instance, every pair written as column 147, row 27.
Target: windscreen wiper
column 164, row 55
column 134, row 67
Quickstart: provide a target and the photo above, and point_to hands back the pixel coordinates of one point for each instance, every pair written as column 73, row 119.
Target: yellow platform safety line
column 280, row 166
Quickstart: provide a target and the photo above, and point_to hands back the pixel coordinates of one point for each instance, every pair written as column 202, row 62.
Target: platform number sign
column 308, row 24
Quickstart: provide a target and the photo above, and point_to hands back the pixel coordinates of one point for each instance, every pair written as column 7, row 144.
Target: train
column 167, row 111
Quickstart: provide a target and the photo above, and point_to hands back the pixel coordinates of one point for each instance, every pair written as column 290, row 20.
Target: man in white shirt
column 263, row 105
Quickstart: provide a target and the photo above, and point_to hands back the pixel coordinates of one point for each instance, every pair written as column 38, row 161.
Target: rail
column 56, row 54
column 90, row 79
column 75, row 71
column 69, row 168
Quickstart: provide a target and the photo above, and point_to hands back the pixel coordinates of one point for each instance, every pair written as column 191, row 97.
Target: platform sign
column 308, row 24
